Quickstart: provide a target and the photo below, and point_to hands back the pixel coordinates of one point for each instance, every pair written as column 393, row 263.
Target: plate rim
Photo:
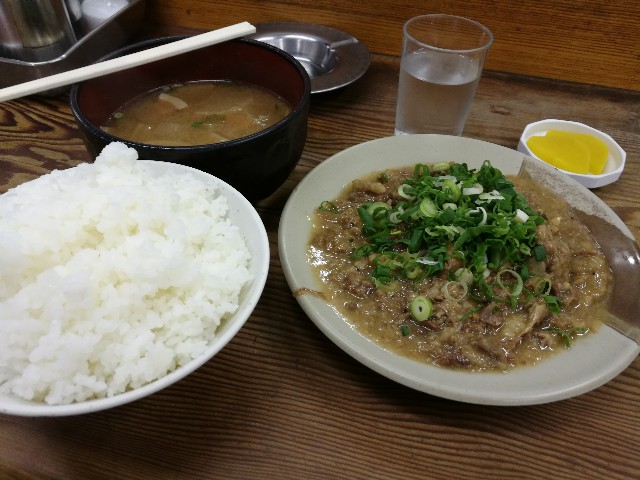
column 446, row 383
column 352, row 58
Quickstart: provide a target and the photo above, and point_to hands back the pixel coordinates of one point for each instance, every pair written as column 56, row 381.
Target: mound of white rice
column 111, row 277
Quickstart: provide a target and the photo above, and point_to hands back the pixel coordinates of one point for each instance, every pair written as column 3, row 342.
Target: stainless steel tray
column 104, row 39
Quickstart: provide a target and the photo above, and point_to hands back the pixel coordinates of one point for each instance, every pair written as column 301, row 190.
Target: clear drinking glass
column 442, row 60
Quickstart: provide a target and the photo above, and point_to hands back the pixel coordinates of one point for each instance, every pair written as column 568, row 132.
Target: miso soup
column 197, row 113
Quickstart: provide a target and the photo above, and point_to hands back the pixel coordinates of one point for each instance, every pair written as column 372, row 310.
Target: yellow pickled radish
column 597, row 149
column 574, row 152
column 564, row 153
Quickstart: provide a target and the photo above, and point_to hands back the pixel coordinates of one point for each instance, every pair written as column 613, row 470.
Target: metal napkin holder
column 74, row 51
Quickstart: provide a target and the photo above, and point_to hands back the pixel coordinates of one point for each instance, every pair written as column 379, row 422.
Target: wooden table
column 281, row 401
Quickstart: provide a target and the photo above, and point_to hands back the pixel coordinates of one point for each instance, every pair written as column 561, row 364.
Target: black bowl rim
column 95, row 130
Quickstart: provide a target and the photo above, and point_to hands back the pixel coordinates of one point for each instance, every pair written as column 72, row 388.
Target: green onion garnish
column 421, row 308
column 330, row 207
column 566, row 334
column 451, row 211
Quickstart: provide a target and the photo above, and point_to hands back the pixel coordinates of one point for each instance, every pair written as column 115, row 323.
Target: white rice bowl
column 119, row 278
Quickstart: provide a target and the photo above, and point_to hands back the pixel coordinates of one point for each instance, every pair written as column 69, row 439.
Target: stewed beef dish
column 462, row 268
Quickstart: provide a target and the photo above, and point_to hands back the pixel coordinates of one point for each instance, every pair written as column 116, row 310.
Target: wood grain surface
column 281, row 401
column 587, row 41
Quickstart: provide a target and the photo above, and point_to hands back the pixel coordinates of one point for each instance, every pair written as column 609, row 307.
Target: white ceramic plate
column 591, row 361
column 242, row 214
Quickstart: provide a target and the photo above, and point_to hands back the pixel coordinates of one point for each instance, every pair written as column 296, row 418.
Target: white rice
column 111, row 277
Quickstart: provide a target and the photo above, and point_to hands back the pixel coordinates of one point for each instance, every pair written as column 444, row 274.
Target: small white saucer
column 615, row 161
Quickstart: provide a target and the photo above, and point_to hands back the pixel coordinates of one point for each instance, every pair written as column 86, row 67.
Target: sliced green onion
column 517, row 290
column 553, row 303
column 405, row 330
column 543, row 286
column 540, row 253
column 524, row 272
column 477, row 189
column 441, row 167
column 394, row 217
column 386, row 285
column 421, row 308
column 427, row 261
column 567, row 334
column 520, row 217
column 479, row 210
column 490, row 196
column 413, row 271
column 421, row 170
column 471, row 312
column 452, row 190
column 451, row 232
column 403, row 193
column 330, row 207
column 375, row 206
column 446, row 290
column 383, row 259
column 464, row 275
column 428, row 207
